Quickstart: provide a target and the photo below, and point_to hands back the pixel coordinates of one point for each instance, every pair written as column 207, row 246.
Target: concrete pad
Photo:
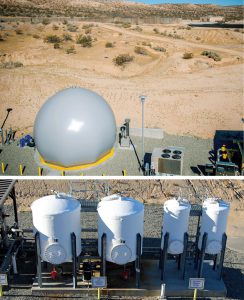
column 154, row 133
column 12, row 156
column 177, row 287
column 150, row 284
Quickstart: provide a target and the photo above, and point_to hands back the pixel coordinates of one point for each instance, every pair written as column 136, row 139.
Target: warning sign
column 196, row 283
column 99, row 282
column 3, row 279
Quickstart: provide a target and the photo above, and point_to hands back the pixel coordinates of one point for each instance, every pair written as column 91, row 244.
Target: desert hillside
column 110, row 8
column 193, row 77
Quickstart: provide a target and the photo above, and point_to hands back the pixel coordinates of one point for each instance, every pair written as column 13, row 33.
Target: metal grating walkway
column 6, row 187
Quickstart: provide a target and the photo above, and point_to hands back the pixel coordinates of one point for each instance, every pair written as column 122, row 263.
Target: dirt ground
column 184, row 96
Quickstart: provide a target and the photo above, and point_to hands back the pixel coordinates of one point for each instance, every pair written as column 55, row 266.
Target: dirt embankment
column 185, row 96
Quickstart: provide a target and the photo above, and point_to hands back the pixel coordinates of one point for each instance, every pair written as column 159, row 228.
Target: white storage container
column 121, row 219
column 214, row 221
column 175, row 222
column 55, row 217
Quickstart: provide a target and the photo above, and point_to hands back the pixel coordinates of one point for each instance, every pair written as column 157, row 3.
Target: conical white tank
column 175, row 222
column 214, row 221
column 55, row 217
column 121, row 219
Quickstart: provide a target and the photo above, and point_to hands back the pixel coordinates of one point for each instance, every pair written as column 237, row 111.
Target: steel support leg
column 202, row 254
column 38, row 259
column 2, row 136
column 161, row 252
column 103, row 244
column 164, row 254
column 73, row 248
column 222, row 255
column 196, row 244
column 13, row 196
column 215, row 261
column 138, row 259
column 179, row 261
column 184, row 255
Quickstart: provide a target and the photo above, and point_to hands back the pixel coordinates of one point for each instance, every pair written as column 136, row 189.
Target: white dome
column 74, row 127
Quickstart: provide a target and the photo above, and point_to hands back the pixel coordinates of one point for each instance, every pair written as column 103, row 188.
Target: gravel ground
column 196, row 154
column 233, row 275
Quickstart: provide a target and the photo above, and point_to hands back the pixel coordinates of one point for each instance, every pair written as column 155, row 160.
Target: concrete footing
column 150, row 282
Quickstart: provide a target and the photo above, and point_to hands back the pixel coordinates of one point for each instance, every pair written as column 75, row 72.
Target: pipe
column 14, row 263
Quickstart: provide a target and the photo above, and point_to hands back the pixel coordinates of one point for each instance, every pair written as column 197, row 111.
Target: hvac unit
column 168, row 161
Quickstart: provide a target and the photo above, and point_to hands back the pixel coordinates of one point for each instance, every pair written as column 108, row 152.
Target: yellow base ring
column 105, row 157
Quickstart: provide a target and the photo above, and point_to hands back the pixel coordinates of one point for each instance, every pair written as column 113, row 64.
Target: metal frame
column 103, row 253
column 138, row 259
column 218, row 263
column 74, row 261
column 39, row 262
column 38, row 259
column 10, row 245
column 7, row 189
column 181, row 257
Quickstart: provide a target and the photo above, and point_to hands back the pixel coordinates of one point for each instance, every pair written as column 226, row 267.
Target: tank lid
column 216, row 202
column 118, row 206
column 179, row 203
column 55, row 204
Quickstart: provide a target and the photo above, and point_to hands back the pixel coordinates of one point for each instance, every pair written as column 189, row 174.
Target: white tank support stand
column 120, row 231
column 174, row 232
column 212, row 235
column 56, row 243
column 73, row 244
column 50, row 213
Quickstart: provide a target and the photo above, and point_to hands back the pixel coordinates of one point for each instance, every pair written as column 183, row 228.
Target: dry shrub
column 87, row 26
column 140, row 50
column 56, row 46
column 36, row 36
column 72, row 27
column 67, row 37
column 11, row 65
column 84, row 41
column 71, row 50
column 109, row 45
column 19, row 31
column 55, row 27
column 215, row 56
column 188, row 55
column 156, row 30
column 122, row 59
column 45, row 21
column 53, row 39
column 158, row 48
